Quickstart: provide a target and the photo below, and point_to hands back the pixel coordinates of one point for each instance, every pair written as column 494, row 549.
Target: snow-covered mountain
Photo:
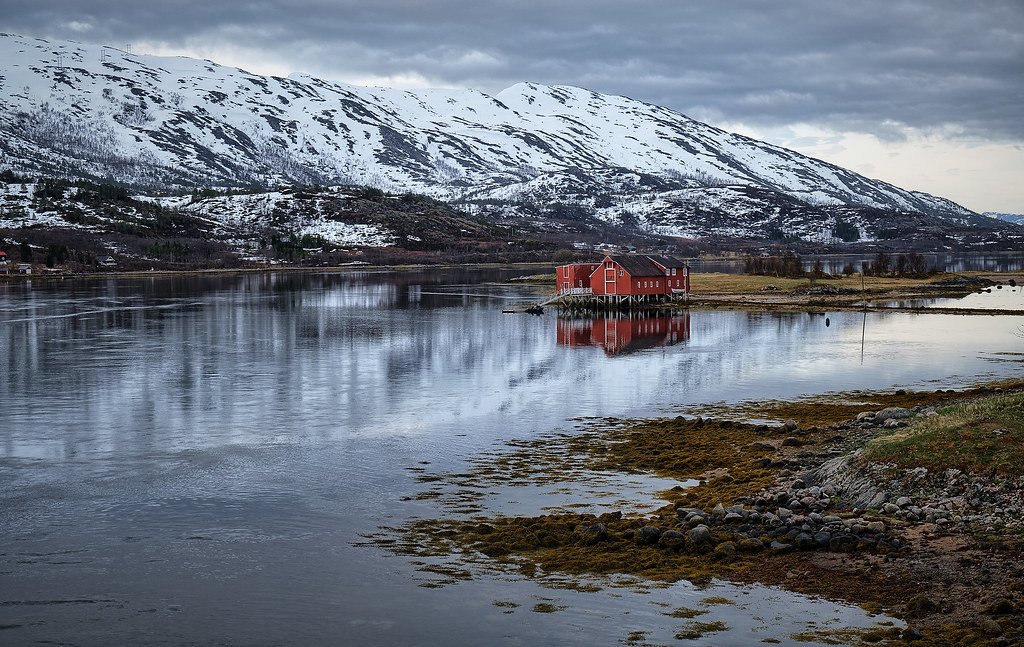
column 77, row 110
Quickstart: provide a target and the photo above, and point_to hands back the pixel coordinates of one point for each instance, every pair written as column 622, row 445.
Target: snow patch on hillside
column 251, row 212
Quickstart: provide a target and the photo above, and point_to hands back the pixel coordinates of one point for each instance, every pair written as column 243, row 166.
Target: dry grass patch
column 982, row 436
column 713, row 283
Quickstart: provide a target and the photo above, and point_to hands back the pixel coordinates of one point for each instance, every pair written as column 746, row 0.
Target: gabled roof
column 637, row 265
column 668, row 261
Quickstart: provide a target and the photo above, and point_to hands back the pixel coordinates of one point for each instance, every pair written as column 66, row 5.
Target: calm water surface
column 192, row 460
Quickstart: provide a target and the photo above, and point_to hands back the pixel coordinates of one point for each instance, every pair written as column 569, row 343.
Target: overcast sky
column 926, row 95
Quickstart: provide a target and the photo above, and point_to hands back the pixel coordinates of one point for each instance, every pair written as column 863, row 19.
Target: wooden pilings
column 613, row 302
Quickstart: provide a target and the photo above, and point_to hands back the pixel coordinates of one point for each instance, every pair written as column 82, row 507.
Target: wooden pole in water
column 863, row 327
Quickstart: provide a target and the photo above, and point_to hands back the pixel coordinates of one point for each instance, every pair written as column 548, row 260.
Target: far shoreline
column 713, row 291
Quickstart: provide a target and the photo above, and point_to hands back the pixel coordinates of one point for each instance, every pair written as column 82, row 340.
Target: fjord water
column 193, row 460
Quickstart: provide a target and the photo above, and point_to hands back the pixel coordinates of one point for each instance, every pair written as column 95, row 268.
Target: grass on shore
column 982, row 436
column 716, row 283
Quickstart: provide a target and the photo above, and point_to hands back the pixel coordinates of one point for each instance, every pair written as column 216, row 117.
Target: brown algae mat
column 952, row 587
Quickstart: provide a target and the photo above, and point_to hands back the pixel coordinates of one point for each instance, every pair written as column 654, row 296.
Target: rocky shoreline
column 793, row 507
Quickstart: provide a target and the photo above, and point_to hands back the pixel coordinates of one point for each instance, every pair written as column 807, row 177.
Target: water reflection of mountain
column 130, row 365
column 628, row 333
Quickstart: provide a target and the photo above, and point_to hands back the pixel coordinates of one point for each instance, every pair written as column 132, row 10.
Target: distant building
column 106, row 261
column 24, row 268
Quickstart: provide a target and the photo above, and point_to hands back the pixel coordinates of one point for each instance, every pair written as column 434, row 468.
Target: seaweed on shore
column 736, row 463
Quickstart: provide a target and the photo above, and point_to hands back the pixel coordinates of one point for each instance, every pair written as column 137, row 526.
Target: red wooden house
column 622, row 282
column 677, row 273
column 638, row 278
column 575, row 277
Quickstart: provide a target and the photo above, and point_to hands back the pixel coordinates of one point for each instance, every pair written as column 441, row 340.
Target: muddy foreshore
column 795, row 505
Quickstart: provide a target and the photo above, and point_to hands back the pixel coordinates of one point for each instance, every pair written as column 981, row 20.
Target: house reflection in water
column 624, row 334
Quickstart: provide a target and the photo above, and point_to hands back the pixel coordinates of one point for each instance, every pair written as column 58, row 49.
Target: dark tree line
column 885, row 264
column 789, row 264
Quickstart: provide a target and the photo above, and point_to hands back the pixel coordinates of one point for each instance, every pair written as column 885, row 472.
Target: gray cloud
column 871, row 66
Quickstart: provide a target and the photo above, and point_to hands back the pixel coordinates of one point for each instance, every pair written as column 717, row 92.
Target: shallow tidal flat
column 820, row 510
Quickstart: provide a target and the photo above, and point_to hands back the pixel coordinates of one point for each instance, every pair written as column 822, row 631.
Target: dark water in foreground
column 190, row 461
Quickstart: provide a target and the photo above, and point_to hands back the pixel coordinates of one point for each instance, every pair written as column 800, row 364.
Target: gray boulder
column 700, row 535
column 898, row 413
column 648, row 535
column 595, row 532
column 804, row 541
column 671, row 539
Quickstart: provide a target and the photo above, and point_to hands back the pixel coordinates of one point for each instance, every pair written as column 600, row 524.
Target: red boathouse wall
column 575, row 275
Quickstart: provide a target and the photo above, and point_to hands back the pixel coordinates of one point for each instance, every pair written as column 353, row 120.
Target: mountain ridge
column 175, row 121
column 1015, row 218
column 566, row 164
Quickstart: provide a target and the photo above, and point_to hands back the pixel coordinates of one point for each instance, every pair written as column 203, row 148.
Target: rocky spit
column 840, row 503
column 948, row 498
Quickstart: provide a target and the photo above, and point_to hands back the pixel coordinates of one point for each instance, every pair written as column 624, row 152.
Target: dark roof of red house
column 637, row 265
column 668, row 261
